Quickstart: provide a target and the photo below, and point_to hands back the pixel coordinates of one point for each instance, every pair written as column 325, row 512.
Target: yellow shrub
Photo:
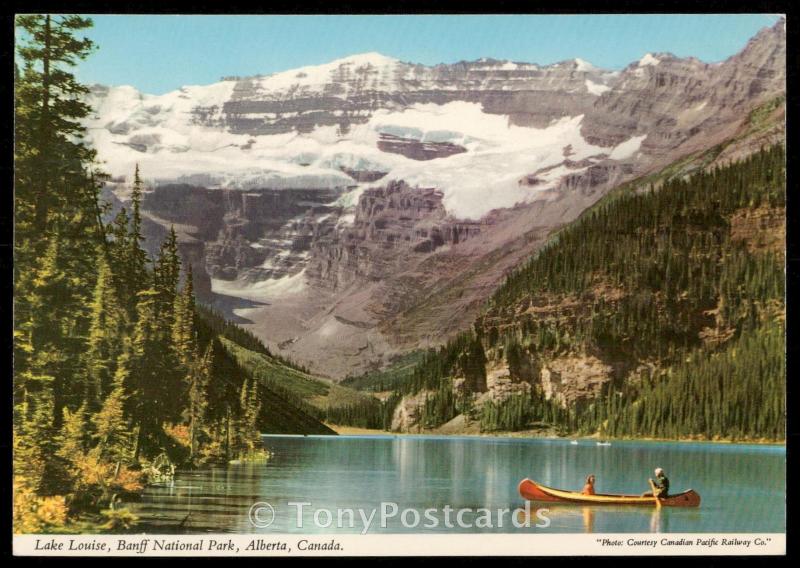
column 119, row 520
column 34, row 514
column 180, row 433
column 128, row 480
column 52, row 511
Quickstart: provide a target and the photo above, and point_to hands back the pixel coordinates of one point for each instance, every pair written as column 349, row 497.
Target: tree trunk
column 228, row 437
column 192, row 437
column 139, row 438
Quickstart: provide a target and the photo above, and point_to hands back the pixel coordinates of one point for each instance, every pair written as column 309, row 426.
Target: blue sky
column 157, row 54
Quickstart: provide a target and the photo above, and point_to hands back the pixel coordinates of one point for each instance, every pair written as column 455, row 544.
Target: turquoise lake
column 742, row 487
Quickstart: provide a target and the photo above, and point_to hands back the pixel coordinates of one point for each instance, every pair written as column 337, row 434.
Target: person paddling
column 588, row 488
column 660, row 485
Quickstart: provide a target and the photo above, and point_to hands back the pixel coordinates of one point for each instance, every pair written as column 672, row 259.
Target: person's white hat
column 659, row 471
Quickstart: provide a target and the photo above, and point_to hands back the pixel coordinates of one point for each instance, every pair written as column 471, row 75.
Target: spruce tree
column 183, row 329
column 199, row 376
column 105, row 335
column 50, row 156
column 136, row 259
column 151, row 374
column 112, row 432
column 167, row 276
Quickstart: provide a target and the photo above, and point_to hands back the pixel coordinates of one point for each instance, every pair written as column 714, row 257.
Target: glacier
column 162, row 133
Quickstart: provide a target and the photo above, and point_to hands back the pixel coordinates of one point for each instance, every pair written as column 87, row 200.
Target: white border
column 275, row 544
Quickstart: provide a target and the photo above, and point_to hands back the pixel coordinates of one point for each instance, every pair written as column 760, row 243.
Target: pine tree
column 473, row 364
column 73, row 438
column 113, row 438
column 136, row 258
column 55, row 218
column 199, row 377
column 107, row 365
column 167, row 276
column 50, row 157
column 248, row 435
column 48, row 345
column 151, row 374
column 46, row 470
column 105, row 335
column 183, row 329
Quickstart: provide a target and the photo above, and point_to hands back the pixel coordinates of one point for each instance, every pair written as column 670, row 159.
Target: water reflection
column 742, row 486
column 655, row 520
column 588, row 519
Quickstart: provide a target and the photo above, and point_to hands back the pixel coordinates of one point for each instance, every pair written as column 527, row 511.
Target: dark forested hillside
column 317, row 397
column 657, row 313
column 387, row 379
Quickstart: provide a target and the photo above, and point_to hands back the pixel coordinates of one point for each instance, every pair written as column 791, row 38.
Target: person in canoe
column 660, row 485
column 588, row 488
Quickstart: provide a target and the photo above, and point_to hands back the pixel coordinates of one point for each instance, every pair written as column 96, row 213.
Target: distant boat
column 603, row 443
column 574, row 442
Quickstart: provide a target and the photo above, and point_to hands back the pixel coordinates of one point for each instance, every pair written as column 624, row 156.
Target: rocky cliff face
column 391, row 222
column 251, row 235
column 685, row 102
column 370, row 206
column 355, row 88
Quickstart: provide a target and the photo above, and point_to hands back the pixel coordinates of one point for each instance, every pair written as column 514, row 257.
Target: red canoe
column 533, row 491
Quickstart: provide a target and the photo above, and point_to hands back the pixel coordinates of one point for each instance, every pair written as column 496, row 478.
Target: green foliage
column 50, row 179
column 758, row 118
column 299, row 387
column 242, row 337
column 367, row 413
column 56, row 217
column 106, row 327
column 387, row 379
column 113, row 438
column 439, row 407
column 284, row 408
column 248, row 434
column 313, row 396
column 150, row 374
column 464, row 353
column 118, row 520
column 737, row 393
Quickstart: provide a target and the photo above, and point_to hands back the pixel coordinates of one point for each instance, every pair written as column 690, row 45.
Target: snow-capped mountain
column 320, row 126
column 358, row 190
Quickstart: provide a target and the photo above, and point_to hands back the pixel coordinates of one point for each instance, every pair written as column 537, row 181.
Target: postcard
column 392, row 285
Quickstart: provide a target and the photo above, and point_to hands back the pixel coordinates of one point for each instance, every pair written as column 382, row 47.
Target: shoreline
column 355, row 431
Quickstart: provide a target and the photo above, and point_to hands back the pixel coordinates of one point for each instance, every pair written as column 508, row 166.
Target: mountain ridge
column 354, row 205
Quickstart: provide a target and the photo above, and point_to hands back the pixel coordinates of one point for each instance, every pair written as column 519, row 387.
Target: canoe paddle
column 655, row 493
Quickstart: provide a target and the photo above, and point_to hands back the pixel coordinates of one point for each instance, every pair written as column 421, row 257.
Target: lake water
column 742, row 487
